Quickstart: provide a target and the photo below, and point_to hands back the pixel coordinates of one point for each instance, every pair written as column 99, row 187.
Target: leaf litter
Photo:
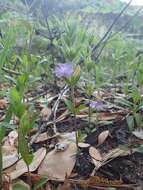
column 60, row 161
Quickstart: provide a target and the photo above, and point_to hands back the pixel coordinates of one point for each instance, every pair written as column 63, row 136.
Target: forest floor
column 105, row 157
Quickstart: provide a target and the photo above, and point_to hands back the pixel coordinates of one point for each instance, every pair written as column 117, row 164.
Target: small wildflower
column 64, row 70
column 97, row 105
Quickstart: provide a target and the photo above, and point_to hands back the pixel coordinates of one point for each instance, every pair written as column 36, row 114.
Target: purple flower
column 97, row 105
column 64, row 70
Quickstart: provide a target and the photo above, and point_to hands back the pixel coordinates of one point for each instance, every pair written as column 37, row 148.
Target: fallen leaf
column 103, row 116
column 42, row 137
column 3, row 103
column 10, row 144
column 21, row 167
column 59, row 164
column 45, row 112
column 83, row 145
column 103, row 136
column 107, row 157
column 94, row 153
column 12, row 137
column 96, row 156
column 10, row 160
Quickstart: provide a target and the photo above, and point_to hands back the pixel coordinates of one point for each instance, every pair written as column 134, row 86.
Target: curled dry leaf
column 3, row 103
column 10, row 144
column 45, row 112
column 103, row 136
column 59, row 164
column 96, row 156
column 21, row 167
column 12, row 137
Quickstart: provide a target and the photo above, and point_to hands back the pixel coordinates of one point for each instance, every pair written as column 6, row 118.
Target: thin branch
column 110, row 28
column 53, row 111
column 112, row 35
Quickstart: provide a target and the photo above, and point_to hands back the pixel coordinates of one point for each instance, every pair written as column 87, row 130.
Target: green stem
column 89, row 113
column 29, row 177
column 74, row 113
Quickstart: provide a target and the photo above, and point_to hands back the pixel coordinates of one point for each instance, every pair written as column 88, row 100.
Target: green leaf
column 17, row 107
column 25, row 124
column 24, row 150
column 15, row 97
column 125, row 148
column 81, row 136
column 19, row 187
column 79, row 108
column 11, row 79
column 90, row 90
column 139, row 149
column 40, row 183
column 8, row 114
column 2, row 132
column 70, row 105
column 138, row 119
column 130, row 122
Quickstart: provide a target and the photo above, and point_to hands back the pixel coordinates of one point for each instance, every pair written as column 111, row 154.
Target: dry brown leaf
column 103, row 116
column 13, row 137
column 10, row 144
column 59, row 164
column 107, row 157
column 42, row 137
column 103, row 136
column 100, row 95
column 3, row 103
column 21, row 167
column 83, row 145
column 9, row 160
column 45, row 112
column 95, row 155
column 9, row 150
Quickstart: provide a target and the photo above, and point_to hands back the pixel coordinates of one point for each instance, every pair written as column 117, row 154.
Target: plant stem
column 89, row 112
column 29, row 177
column 74, row 113
column 51, row 43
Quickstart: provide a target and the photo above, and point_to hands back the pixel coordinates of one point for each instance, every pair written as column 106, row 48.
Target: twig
column 57, row 104
column 110, row 28
column 49, row 117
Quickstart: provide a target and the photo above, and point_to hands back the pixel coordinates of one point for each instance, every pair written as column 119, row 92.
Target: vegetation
column 55, row 68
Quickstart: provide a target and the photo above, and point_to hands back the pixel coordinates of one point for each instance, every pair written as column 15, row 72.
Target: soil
column 129, row 168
